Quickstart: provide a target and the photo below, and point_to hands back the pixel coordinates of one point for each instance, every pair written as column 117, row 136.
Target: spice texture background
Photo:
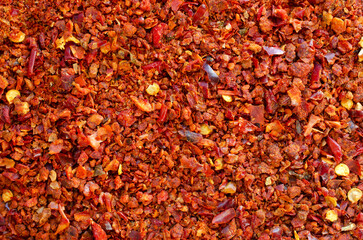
column 215, row 119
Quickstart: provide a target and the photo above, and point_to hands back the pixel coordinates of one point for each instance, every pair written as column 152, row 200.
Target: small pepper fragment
column 312, row 121
column 33, row 54
column 202, row 9
column 64, row 223
column 98, row 232
column 17, row 36
column 225, row 216
column 163, row 113
column 335, row 148
column 212, row 75
column 272, row 51
column 315, row 75
column 157, row 33
column 142, row 104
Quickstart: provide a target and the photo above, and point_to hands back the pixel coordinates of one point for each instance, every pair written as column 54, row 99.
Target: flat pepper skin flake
column 335, row 148
column 224, row 217
column 64, row 223
column 98, row 232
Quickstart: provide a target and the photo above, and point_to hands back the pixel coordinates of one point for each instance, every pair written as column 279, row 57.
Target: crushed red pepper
column 252, row 106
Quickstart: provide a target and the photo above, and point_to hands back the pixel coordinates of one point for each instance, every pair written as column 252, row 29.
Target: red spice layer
column 145, row 119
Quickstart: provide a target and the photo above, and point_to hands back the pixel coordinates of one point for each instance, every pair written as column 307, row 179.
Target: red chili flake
column 225, row 216
column 155, row 65
column 315, row 75
column 319, row 95
column 142, row 104
column 157, row 33
column 201, row 11
column 300, row 13
column 33, row 55
column 123, row 216
column 212, row 75
column 90, row 57
column 354, row 166
column 11, row 176
column 5, row 114
column 98, row 232
column 64, row 223
column 134, row 235
column 272, row 51
column 175, row 5
column 271, row 102
column 163, row 113
column 356, row 113
column 335, row 148
column 259, row 12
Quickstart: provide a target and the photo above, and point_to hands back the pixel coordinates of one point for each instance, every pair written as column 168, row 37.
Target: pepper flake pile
column 173, row 119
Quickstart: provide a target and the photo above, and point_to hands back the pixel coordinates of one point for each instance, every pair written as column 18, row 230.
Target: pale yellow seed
column 296, row 235
column 153, row 89
column 11, row 95
column 349, row 95
column 7, row 195
column 349, row 227
column 54, row 185
column 342, row 170
column 360, row 55
column 17, row 37
column 53, row 175
column 230, row 188
column 119, row 171
column 354, row 195
column 227, row 98
column 205, row 129
column 331, row 201
column 218, row 164
column 331, row 215
column 268, row 181
column 347, row 103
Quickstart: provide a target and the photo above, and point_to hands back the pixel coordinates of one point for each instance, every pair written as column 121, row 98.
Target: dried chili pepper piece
column 98, row 232
column 225, row 216
column 157, row 33
column 64, row 223
column 315, row 75
column 142, row 104
column 335, row 148
column 200, row 13
column 212, row 75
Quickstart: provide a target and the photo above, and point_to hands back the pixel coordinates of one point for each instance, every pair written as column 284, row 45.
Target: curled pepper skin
column 335, row 148
column 32, row 57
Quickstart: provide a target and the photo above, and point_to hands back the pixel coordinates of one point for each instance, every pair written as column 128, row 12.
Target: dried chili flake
column 335, row 148
column 157, row 33
column 64, row 223
column 224, row 217
column 98, row 232
column 272, row 51
column 200, row 13
column 212, row 75
column 142, row 104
